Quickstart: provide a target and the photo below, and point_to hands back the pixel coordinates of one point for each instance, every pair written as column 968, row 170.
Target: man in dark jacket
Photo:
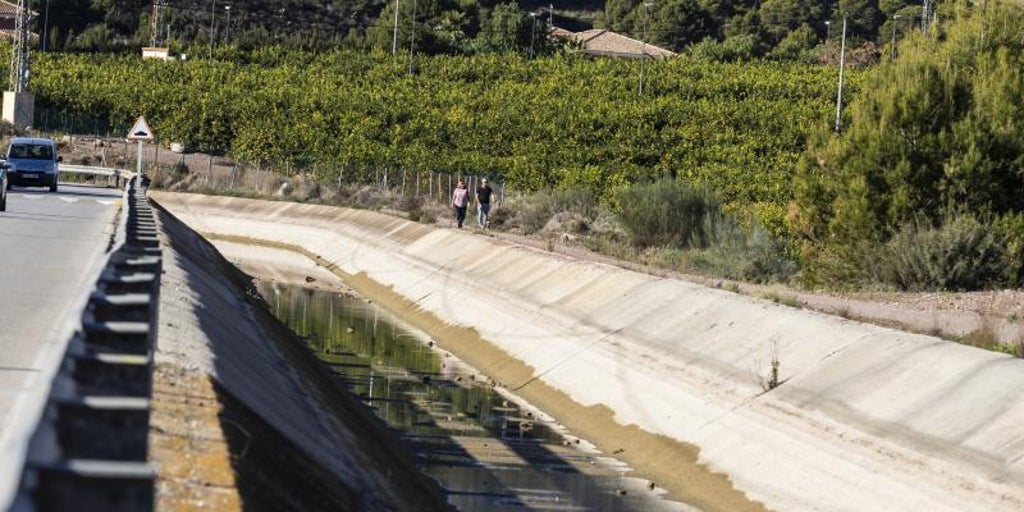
column 483, row 202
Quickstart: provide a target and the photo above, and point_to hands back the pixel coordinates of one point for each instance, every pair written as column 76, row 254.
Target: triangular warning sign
column 140, row 131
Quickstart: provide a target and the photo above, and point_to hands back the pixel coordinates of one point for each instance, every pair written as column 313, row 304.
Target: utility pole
column 927, row 14
column 19, row 59
column 213, row 25
column 394, row 37
column 842, row 65
column 412, row 35
column 46, row 26
column 643, row 51
column 533, row 31
column 19, row 104
column 154, row 23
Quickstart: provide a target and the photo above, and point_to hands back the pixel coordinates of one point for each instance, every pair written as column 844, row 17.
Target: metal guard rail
column 89, row 451
column 109, row 172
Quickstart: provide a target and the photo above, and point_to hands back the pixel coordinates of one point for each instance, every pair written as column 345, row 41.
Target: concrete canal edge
column 670, row 376
column 244, row 417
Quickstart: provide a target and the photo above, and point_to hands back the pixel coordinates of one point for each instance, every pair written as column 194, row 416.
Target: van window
column 31, row 151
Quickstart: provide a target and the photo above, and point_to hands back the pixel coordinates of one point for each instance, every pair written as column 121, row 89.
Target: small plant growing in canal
column 772, row 380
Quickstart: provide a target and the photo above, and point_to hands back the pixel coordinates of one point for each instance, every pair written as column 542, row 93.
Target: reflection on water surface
column 488, row 452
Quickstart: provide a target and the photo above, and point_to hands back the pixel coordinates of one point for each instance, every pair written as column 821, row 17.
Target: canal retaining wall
column 862, row 417
column 271, row 431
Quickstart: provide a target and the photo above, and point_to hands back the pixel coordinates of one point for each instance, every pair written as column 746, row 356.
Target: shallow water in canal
column 488, row 450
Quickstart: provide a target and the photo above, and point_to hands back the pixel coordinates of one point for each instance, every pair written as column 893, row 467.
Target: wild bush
column 963, row 253
column 7, row 129
column 535, row 211
column 499, row 216
column 668, row 213
column 1011, row 227
column 551, row 122
column 749, row 254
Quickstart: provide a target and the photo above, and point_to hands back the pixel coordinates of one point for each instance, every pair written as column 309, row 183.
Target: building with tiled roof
column 8, row 10
column 8, row 18
column 605, row 43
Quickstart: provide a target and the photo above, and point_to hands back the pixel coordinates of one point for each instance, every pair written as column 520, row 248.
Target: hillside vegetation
column 778, row 29
column 925, row 189
column 559, row 121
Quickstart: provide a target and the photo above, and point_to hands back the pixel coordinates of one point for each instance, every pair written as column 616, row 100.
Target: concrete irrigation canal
column 488, row 451
column 662, row 376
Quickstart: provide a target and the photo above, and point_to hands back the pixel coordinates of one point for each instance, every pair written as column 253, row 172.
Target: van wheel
column 53, row 188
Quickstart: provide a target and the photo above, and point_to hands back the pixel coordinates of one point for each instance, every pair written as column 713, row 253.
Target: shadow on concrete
column 302, row 443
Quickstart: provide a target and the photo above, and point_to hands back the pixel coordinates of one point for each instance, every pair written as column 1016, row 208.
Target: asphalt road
column 51, row 246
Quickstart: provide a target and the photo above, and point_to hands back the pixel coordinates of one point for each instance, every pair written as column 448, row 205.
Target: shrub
column 1011, row 227
column 744, row 254
column 535, row 211
column 964, row 253
column 181, row 167
column 7, row 129
column 668, row 212
column 409, row 203
column 735, row 48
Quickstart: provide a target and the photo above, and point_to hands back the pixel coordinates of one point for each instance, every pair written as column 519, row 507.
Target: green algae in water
column 484, row 450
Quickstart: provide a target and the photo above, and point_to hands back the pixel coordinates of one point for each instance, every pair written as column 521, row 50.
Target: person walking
column 460, row 199
column 483, row 202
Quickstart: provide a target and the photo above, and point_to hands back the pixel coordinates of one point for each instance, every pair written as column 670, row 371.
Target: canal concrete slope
column 862, row 417
column 244, row 415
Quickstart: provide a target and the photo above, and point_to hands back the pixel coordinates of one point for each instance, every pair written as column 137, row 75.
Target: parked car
column 3, row 186
column 33, row 163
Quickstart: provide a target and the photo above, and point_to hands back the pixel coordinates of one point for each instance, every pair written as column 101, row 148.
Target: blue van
column 33, row 163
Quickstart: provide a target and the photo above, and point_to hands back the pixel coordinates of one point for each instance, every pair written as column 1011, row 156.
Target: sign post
column 140, row 132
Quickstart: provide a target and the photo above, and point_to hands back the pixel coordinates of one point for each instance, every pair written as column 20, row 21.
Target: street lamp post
column 828, row 30
column 394, row 37
column 842, row 65
column 227, row 28
column 892, row 41
column 643, row 51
